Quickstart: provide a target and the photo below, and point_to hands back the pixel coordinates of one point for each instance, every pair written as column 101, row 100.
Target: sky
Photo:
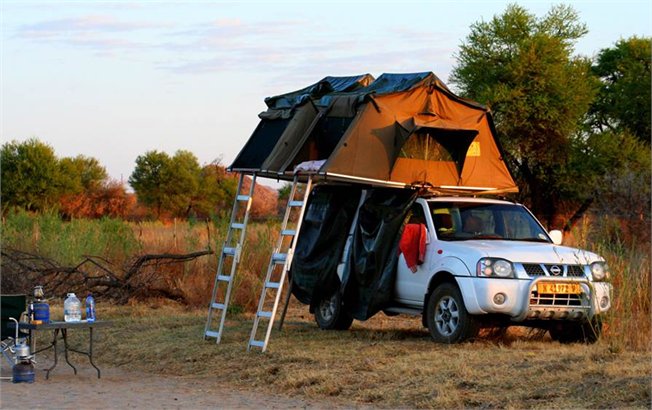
column 113, row 80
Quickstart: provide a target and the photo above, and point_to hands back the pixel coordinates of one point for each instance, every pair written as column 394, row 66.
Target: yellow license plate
column 559, row 288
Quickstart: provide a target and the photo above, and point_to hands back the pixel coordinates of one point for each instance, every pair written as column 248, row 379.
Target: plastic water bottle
column 72, row 309
column 90, row 308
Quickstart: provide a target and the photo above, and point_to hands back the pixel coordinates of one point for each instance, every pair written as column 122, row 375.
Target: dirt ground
column 120, row 389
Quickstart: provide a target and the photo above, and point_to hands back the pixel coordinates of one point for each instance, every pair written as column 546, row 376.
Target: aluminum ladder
column 281, row 258
column 230, row 256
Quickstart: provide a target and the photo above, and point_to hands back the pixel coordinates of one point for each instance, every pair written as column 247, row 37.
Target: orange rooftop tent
column 398, row 130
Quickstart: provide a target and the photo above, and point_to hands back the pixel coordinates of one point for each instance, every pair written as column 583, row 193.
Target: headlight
column 600, row 271
column 492, row 267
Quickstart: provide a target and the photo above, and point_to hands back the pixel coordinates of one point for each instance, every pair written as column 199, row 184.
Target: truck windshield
column 458, row 221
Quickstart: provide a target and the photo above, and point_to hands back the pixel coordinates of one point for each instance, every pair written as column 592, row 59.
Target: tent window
column 438, row 145
column 322, row 140
column 424, row 146
column 260, row 144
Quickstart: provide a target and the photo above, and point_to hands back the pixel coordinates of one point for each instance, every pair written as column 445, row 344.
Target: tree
column 216, row 190
column 80, row 174
column 523, row 68
column 30, row 175
column 167, row 183
column 151, row 178
column 623, row 103
column 183, row 189
column 107, row 199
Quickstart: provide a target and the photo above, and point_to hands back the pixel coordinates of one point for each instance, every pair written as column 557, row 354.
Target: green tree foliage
column 623, row 103
column 81, row 174
column 216, row 190
column 30, row 175
column 179, row 186
column 183, row 186
column 523, row 67
column 151, row 179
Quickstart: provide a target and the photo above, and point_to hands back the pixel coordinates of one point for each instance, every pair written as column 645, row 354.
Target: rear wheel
column 577, row 332
column 447, row 318
column 330, row 315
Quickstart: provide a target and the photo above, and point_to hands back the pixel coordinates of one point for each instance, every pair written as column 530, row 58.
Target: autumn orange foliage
column 109, row 199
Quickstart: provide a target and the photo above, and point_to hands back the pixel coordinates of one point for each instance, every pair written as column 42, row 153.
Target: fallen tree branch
column 22, row 270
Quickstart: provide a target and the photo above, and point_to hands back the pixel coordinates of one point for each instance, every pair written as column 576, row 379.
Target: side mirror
column 556, row 236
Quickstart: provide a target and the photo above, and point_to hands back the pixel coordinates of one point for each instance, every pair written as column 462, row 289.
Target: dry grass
column 196, row 280
column 388, row 362
column 627, row 326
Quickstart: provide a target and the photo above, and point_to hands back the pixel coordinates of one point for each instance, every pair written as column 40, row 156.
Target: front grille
column 575, row 270
column 549, row 299
column 533, row 269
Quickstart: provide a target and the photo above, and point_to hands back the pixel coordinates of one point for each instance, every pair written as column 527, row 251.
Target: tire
column 447, row 318
column 587, row 332
column 330, row 315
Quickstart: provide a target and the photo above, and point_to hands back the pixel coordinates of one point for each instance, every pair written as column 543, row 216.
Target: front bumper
column 521, row 301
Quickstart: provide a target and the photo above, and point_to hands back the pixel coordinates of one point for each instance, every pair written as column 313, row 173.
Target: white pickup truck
column 491, row 263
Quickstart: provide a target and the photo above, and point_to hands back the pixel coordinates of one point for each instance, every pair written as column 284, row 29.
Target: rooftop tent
column 287, row 118
column 409, row 128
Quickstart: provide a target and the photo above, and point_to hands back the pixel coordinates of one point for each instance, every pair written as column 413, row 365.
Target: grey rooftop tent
column 397, row 130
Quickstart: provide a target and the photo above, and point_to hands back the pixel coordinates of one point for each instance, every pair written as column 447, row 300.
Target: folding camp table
column 60, row 330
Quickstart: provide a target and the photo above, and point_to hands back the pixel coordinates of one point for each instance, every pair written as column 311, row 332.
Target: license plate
column 559, row 288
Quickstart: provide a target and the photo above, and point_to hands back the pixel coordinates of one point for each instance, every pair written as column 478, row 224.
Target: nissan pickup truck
column 491, row 263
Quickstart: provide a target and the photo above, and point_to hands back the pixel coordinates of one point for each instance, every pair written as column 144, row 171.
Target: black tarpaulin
column 368, row 281
column 323, row 234
column 326, row 85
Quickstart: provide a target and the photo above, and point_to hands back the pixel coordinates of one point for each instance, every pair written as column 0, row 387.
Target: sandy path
column 123, row 389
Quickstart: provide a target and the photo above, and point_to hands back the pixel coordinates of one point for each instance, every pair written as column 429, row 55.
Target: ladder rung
column 257, row 343
column 243, row 197
column 228, row 251
column 264, row 313
column 224, row 278
column 288, row 232
column 295, row 203
column 217, row 305
column 279, row 257
column 237, row 226
column 273, row 285
column 211, row 333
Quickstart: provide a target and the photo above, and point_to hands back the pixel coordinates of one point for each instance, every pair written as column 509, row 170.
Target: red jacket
column 413, row 244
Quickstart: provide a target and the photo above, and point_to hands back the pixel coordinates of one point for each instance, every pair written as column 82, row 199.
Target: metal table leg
column 90, row 352
column 54, row 345
column 64, row 333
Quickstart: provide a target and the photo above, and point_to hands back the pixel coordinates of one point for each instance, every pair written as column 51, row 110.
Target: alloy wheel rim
column 447, row 316
column 327, row 308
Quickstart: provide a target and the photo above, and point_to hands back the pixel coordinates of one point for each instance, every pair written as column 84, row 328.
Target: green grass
column 66, row 242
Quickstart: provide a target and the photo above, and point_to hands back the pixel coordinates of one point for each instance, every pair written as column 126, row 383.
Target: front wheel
column 330, row 314
column 447, row 318
column 576, row 332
